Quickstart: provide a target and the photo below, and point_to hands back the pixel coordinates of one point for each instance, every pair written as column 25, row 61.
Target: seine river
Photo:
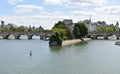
column 93, row 57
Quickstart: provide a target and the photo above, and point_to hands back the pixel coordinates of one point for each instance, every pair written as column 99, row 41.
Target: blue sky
column 47, row 12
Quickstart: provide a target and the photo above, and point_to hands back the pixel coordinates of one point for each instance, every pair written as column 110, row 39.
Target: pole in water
column 31, row 53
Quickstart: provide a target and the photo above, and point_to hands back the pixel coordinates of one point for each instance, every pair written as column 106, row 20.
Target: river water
column 93, row 57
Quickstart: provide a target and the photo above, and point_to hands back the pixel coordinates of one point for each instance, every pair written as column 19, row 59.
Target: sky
column 46, row 13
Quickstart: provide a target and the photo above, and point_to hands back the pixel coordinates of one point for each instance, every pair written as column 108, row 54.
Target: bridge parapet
column 94, row 35
column 17, row 35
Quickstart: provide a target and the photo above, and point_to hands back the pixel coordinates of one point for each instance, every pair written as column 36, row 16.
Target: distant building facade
column 9, row 25
column 2, row 24
column 117, row 26
column 69, row 23
column 92, row 26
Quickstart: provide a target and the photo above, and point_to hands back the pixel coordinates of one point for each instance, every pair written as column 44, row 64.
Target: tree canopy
column 63, row 30
column 16, row 29
column 80, row 30
column 105, row 29
column 60, row 32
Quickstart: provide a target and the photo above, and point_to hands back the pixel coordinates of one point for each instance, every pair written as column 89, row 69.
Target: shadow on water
column 55, row 48
column 59, row 48
column 81, row 44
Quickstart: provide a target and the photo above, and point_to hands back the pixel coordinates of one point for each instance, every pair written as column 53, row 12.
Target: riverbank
column 69, row 42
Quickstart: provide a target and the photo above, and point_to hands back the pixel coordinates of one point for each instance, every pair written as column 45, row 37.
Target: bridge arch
column 23, row 36
column 17, row 36
column 30, row 36
column 117, row 37
column 35, row 37
column 11, row 36
column 5, row 36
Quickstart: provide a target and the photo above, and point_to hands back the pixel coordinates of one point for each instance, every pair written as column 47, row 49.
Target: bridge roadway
column 95, row 35
column 43, row 35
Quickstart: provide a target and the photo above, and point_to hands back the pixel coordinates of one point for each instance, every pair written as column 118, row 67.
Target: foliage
column 63, row 30
column 76, row 32
column 69, row 34
column 105, row 29
column 80, row 30
column 21, row 29
column 5, row 30
column 101, row 29
column 60, row 25
column 60, row 32
column 56, row 37
column 16, row 29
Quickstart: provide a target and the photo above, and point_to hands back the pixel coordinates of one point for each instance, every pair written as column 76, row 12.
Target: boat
column 117, row 43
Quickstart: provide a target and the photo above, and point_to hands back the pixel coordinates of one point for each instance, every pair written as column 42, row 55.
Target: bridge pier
column 106, row 37
column 30, row 37
column 41, row 37
column 17, row 36
column 117, row 37
column 5, row 36
column 94, row 37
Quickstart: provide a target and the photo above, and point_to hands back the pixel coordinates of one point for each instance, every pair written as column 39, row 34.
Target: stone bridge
column 95, row 35
column 43, row 34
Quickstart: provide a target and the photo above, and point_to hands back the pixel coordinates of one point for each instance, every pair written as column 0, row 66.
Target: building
column 92, row 26
column 10, row 25
column 69, row 23
column 2, row 24
column 117, row 26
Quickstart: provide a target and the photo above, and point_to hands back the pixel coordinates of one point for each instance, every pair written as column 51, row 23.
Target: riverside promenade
column 73, row 41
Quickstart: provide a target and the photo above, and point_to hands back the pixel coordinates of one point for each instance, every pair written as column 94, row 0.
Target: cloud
column 82, row 13
column 79, row 3
column 44, row 19
column 76, row 3
column 14, row 1
column 112, row 10
column 22, row 9
column 53, row 2
column 48, row 19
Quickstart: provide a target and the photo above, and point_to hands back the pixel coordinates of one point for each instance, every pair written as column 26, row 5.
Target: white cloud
column 22, row 9
column 82, row 13
column 113, row 10
column 14, row 1
column 44, row 19
column 53, row 2
column 48, row 19
column 78, row 3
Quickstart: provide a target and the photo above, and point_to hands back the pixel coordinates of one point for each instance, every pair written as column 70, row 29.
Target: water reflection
column 55, row 48
column 60, row 48
column 81, row 44
column 93, row 57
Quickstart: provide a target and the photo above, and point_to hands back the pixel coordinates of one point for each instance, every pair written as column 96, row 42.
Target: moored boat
column 117, row 43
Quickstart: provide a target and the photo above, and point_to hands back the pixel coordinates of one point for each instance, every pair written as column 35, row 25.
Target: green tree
column 105, row 29
column 76, row 32
column 101, row 29
column 56, row 37
column 63, row 30
column 5, row 29
column 80, row 30
column 21, row 29
column 60, row 25
column 60, row 32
